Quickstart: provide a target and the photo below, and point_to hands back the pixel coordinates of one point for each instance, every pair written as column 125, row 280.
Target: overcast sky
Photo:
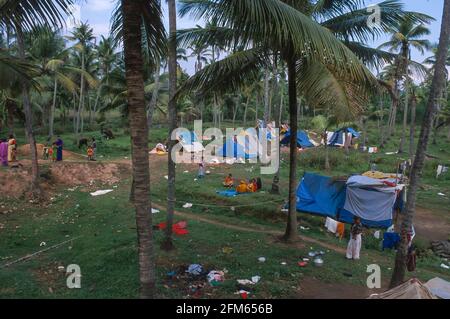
column 98, row 14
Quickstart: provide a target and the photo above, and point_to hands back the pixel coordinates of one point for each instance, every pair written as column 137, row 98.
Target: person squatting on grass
column 354, row 245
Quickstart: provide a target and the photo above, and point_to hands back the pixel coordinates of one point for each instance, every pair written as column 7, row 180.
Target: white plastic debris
column 166, row 177
column 101, row 192
column 441, row 194
column 377, row 234
column 42, row 244
column 155, row 211
column 445, row 266
column 187, row 205
column 256, row 279
column 262, row 259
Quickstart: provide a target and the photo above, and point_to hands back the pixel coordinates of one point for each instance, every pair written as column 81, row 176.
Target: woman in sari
column 12, row 144
column 4, row 152
column 59, row 149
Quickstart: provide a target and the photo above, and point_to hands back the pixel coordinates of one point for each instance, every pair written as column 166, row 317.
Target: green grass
column 104, row 231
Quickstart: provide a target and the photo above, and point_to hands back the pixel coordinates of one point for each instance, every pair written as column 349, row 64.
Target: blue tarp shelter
column 364, row 197
column 302, row 139
column 337, row 139
column 319, row 195
column 236, row 148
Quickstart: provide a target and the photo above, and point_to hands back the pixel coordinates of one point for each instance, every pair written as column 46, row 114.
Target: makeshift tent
column 238, row 147
column 319, row 195
column 368, row 198
column 303, row 140
column 371, row 200
column 190, row 142
column 412, row 289
column 338, row 137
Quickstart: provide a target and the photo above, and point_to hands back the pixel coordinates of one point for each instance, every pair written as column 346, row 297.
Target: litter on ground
column 101, row 192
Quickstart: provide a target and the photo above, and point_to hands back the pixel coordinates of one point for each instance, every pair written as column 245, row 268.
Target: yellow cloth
column 242, row 188
column 12, row 150
column 378, row 175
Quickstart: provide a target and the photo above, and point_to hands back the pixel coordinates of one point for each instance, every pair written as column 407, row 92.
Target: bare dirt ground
column 430, row 226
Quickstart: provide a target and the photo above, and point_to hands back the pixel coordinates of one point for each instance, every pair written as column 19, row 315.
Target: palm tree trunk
column 437, row 84
column 52, row 111
column 11, row 110
column 35, row 187
column 412, row 127
column 172, row 52
column 81, row 102
column 266, row 96
column 405, row 117
column 245, row 110
column 139, row 138
column 291, row 227
column 154, row 100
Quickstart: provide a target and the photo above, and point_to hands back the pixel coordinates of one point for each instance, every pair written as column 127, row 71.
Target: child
column 90, row 153
column 229, row 182
column 252, row 186
column 45, row 154
column 52, row 152
column 201, row 170
column 354, row 245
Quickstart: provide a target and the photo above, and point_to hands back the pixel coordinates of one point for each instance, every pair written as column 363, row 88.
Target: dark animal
column 82, row 142
column 107, row 133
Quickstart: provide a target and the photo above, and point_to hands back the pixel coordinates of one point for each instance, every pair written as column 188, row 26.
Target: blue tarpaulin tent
column 302, row 139
column 234, row 148
column 337, row 138
column 320, row 195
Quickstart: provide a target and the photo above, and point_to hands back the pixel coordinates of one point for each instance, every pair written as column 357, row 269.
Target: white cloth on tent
column 369, row 204
column 331, row 225
column 354, row 247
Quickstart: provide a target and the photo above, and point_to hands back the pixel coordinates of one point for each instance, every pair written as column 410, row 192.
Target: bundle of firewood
column 441, row 248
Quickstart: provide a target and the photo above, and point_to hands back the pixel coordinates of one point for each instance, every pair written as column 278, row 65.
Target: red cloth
column 178, row 228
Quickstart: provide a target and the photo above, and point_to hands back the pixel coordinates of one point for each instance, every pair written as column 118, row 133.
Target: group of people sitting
column 8, row 151
column 251, row 186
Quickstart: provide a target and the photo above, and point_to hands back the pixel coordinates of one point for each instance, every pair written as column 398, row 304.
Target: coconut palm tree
column 21, row 16
column 172, row 112
column 310, row 52
column 83, row 35
column 130, row 18
column 437, row 86
column 405, row 35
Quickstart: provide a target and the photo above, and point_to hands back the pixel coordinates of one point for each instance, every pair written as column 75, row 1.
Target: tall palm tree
column 172, row 111
column 437, row 86
column 83, row 35
column 405, row 35
column 130, row 18
column 308, row 50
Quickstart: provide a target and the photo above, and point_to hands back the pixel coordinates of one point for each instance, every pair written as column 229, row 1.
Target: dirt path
column 430, row 225
column 259, row 229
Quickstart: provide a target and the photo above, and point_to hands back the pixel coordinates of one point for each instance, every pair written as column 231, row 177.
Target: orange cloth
column 242, row 188
column 340, row 229
column 90, row 152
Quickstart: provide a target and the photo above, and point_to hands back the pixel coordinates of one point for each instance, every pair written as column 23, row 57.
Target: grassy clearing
column 103, row 229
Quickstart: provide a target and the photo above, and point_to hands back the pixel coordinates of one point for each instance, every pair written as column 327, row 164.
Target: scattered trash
column 304, row 228
column 178, row 228
column 318, row 262
column 444, row 266
column 262, row 259
column 195, row 269
column 232, row 208
column 244, row 294
column 166, row 177
column 208, row 172
column 302, row 263
column 256, row 279
column 195, row 179
column 284, row 210
column 155, row 211
column 245, row 282
column 101, row 192
column 227, row 250
column 441, row 194
column 187, row 205
column 42, row 244
column 312, row 254
column 305, row 259
column 61, row 268
column 186, row 172
column 377, row 234
column 215, row 277
column 284, row 263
